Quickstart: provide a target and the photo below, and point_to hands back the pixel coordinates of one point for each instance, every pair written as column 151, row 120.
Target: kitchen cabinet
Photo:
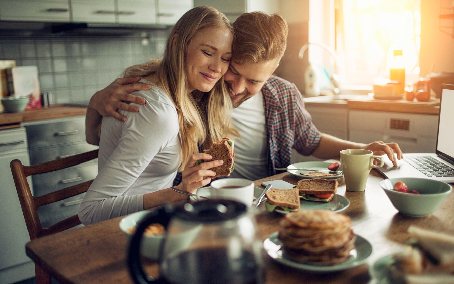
column 169, row 12
column 413, row 132
column 35, row 10
column 139, row 12
column 234, row 8
column 114, row 11
column 99, row 11
column 51, row 139
column 13, row 232
column 329, row 119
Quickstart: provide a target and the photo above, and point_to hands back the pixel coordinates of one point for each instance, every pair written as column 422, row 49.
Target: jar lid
column 208, row 211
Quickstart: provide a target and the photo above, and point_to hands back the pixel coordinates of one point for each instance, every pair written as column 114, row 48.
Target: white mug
column 356, row 165
column 229, row 188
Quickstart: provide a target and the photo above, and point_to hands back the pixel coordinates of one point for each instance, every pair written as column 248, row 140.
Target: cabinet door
column 330, row 120
column 34, row 10
column 413, row 132
column 13, row 232
column 232, row 9
column 99, row 11
column 136, row 12
column 169, row 12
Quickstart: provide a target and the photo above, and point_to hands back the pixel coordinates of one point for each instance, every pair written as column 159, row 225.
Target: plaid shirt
column 288, row 124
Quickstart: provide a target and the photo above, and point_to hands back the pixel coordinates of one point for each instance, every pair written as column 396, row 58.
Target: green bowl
column 13, row 104
column 432, row 194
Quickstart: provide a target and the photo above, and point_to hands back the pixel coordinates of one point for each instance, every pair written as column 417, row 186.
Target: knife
column 259, row 200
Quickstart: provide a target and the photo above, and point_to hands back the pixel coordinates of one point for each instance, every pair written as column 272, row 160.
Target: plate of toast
column 428, row 257
column 310, row 170
column 308, row 194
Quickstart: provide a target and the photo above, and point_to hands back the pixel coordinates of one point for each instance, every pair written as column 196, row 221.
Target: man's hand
column 193, row 176
column 380, row 148
column 114, row 97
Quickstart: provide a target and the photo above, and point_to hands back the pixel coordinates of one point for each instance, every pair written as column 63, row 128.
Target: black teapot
column 209, row 242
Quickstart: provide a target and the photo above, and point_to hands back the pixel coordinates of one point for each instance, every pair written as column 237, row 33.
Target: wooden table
column 97, row 253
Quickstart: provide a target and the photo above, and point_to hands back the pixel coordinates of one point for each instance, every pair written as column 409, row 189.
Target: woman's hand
column 193, row 176
column 109, row 100
column 380, row 148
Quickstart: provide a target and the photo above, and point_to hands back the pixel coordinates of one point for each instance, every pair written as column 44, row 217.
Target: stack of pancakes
column 319, row 237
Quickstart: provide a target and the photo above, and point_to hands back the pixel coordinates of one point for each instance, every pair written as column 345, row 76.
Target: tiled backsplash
column 74, row 68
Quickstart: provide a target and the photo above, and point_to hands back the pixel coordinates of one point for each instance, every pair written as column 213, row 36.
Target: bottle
column 397, row 72
column 312, row 88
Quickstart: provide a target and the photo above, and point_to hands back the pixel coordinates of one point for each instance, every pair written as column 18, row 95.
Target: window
column 367, row 32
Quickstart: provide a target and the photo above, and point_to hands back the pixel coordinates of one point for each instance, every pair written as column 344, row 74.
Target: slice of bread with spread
column 320, row 190
column 222, row 150
column 284, row 199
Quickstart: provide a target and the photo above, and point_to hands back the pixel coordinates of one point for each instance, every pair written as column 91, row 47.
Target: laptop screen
column 445, row 139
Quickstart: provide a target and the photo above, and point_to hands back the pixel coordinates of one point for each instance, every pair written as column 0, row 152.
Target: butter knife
column 259, row 200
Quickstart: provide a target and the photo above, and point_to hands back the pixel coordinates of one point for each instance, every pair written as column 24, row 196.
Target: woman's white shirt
column 136, row 157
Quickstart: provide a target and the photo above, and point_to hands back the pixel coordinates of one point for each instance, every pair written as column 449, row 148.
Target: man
column 269, row 111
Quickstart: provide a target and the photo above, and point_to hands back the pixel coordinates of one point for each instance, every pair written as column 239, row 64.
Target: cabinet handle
column 166, row 14
column 70, row 203
column 57, row 10
column 66, row 133
column 126, row 13
column 12, row 143
column 105, row 12
column 70, row 180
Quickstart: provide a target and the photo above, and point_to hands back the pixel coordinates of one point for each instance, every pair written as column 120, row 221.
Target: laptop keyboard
column 430, row 166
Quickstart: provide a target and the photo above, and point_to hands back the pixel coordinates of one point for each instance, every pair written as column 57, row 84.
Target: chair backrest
column 30, row 204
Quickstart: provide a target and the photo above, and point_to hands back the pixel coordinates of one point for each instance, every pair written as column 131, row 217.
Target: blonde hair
column 259, row 37
column 170, row 75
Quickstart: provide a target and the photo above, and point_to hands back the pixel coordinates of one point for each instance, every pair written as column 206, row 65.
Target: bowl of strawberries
column 415, row 197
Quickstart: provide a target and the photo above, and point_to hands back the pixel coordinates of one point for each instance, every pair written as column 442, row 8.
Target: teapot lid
column 208, row 211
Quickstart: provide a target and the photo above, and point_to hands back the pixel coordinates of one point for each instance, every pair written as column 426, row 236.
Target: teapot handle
column 161, row 216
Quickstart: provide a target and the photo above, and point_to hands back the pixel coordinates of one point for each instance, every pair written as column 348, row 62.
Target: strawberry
column 414, row 191
column 334, row 166
column 400, row 186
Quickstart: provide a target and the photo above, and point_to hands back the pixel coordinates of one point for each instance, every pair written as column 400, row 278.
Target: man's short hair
column 259, row 37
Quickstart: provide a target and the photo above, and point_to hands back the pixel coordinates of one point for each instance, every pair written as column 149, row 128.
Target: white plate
column 338, row 204
column 318, row 166
column 358, row 256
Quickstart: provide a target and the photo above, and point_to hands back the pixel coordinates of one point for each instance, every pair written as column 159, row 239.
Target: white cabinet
column 136, row 11
column 114, row 11
column 99, row 11
column 169, row 12
column 413, row 132
column 35, row 10
column 234, row 8
column 139, row 12
column 13, row 232
column 331, row 120
column 328, row 119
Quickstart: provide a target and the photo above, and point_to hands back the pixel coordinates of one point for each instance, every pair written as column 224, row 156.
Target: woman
column 138, row 159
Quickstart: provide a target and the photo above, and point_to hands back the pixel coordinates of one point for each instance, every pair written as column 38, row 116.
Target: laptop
column 424, row 165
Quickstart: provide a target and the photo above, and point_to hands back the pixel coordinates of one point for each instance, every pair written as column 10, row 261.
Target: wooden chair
column 30, row 204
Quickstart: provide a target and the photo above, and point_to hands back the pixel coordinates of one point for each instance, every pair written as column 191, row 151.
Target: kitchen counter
column 10, row 120
column 365, row 102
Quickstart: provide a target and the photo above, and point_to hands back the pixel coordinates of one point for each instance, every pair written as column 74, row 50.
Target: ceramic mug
column 229, row 188
column 356, row 166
